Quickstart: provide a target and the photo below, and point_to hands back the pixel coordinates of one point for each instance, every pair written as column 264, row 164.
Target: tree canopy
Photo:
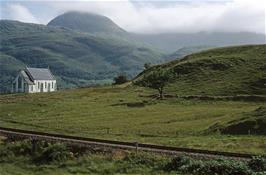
column 158, row 80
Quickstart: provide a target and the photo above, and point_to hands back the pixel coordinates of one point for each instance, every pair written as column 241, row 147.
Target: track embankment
column 121, row 145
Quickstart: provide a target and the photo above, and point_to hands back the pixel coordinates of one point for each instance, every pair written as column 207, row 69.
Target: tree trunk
column 161, row 96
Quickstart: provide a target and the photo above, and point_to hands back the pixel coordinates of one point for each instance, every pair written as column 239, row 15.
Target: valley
column 204, row 90
column 84, row 49
column 133, row 113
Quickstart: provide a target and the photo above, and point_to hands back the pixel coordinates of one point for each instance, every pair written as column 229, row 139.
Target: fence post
column 137, row 147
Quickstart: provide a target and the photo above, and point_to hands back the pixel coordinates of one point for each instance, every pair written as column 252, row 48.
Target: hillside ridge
column 221, row 71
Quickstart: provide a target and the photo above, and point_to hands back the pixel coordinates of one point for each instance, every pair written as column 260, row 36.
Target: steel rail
column 35, row 135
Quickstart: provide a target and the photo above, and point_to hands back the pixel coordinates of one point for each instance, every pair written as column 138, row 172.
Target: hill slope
column 222, row 71
column 77, row 59
column 253, row 122
column 90, row 112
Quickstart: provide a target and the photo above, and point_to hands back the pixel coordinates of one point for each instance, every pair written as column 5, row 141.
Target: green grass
column 253, row 122
column 89, row 112
column 131, row 114
column 222, row 71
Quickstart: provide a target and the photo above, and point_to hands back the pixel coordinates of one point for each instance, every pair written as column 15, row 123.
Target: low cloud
column 158, row 16
column 18, row 12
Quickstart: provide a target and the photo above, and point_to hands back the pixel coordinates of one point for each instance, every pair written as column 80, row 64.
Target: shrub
column 6, row 154
column 225, row 167
column 147, row 65
column 54, row 153
column 120, row 79
column 176, row 163
column 139, row 159
column 146, row 159
column 257, row 164
column 216, row 167
column 20, row 147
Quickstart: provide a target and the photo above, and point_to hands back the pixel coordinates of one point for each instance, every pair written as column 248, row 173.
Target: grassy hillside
column 253, row 122
column 239, row 70
column 77, row 59
column 130, row 114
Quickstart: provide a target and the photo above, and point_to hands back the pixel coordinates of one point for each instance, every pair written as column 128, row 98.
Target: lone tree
column 147, row 65
column 120, row 79
column 157, row 80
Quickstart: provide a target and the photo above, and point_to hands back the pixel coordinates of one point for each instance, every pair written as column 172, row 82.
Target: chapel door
column 19, row 84
column 49, row 87
column 41, row 87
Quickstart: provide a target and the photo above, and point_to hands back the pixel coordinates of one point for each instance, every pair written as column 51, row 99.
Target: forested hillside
column 77, row 59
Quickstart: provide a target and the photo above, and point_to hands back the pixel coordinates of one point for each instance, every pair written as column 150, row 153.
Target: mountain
column 184, row 51
column 239, row 70
column 87, row 22
column 76, row 59
column 83, row 48
column 165, row 42
column 170, row 42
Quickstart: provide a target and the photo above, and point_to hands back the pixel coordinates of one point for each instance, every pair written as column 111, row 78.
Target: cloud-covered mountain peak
column 86, row 22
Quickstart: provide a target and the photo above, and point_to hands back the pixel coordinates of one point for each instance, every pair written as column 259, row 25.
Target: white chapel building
column 32, row 80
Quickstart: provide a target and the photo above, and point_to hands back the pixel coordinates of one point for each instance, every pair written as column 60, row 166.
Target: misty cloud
column 18, row 12
column 159, row 17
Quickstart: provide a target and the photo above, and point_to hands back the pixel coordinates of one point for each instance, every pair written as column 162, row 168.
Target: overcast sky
column 150, row 16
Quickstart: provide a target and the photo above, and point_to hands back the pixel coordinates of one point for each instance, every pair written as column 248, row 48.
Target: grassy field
column 128, row 113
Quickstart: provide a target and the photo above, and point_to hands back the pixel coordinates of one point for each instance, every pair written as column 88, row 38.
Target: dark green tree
column 120, row 79
column 147, row 65
column 157, row 80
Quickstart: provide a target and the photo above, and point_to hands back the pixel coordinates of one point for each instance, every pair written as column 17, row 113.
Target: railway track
column 111, row 144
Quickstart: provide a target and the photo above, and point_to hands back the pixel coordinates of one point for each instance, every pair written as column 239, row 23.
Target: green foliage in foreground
column 220, row 167
column 40, row 152
column 61, row 159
